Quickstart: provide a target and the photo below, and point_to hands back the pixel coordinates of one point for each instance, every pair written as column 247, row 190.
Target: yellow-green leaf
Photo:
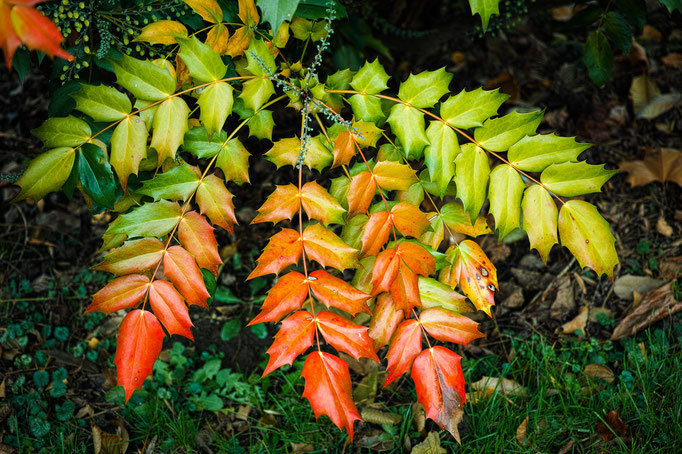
column 128, row 147
column 209, row 10
column 216, row 105
column 506, row 189
column 468, row 109
column 436, row 294
column 143, row 78
column 233, row 160
column 162, row 32
column 540, row 219
column 471, row 177
column 408, row 126
column 498, row 134
column 63, row 132
column 46, row 173
column 101, row 103
column 371, row 78
column 178, row 183
column 571, row 179
column 170, row 124
column 458, row 220
column 535, row 153
column 426, row 88
column 204, row 64
column 256, row 92
column 440, row 155
column 150, row 220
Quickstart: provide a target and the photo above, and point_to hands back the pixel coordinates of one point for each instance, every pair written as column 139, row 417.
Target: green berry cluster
column 511, row 14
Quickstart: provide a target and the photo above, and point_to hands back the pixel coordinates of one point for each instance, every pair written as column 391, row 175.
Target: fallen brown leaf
column 506, row 83
column 611, row 425
column 625, row 285
column 521, row 433
column 655, row 306
column 647, row 100
column 578, row 323
column 430, row 445
column 600, row 371
column 486, row 386
column 663, row 227
column 108, row 443
column 650, row 33
column 671, row 268
column 380, row 417
column 665, row 165
column 672, row 60
column 418, row 417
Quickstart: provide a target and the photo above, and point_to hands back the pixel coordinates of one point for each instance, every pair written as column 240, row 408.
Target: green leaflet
column 128, row 147
column 285, row 152
column 440, row 155
column 204, row 64
column 618, row 29
column 506, row 189
column 367, row 108
column 101, row 103
column 256, row 92
column 215, row 102
column 177, row 184
column 586, row 234
column 63, row 132
column 46, row 173
column 233, row 160
column 535, row 153
column 426, row 88
column 571, row 179
column 498, row 134
column 96, row 175
column 260, row 61
column 170, row 125
column 150, row 220
column 146, row 113
column 198, row 142
column 471, row 177
column 261, row 124
column 277, row 11
column 436, row 294
column 458, row 220
column 485, row 9
column 371, row 78
column 304, row 29
column 672, row 5
column 408, row 126
column 468, row 109
column 540, row 219
column 598, row 57
column 143, row 78
column 352, row 231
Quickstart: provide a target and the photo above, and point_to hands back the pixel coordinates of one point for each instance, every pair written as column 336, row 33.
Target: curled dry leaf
column 430, row 445
column 600, row 371
column 486, row 386
column 380, row 417
column 612, row 424
column 108, row 443
column 655, row 306
column 647, row 100
column 627, row 284
column 522, row 432
column 577, row 324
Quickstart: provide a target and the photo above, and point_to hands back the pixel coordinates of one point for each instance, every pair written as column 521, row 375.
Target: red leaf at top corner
column 328, row 388
column 140, row 338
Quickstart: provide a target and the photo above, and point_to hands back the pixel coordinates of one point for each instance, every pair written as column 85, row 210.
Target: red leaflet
column 361, row 192
column 170, row 308
column 405, row 346
column 183, row 271
column 473, row 271
column 328, row 388
column 196, row 235
column 283, row 250
column 8, row 38
column 292, row 339
column 282, row 204
column 405, row 290
column 140, row 338
column 438, row 378
column 335, row 292
column 346, row 336
column 327, row 249
column 215, row 201
column 448, row 326
column 384, row 322
column 417, row 258
column 135, row 256
column 344, row 148
column 376, row 233
column 287, row 295
column 120, row 293
column 409, row 220
column 385, row 270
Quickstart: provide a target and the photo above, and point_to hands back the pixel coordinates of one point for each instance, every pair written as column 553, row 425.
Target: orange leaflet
column 405, row 290
column 139, row 342
column 344, row 148
column 170, row 308
column 409, row 220
column 196, row 235
column 283, row 249
column 282, row 204
column 405, row 346
column 120, row 293
column 327, row 249
column 385, row 270
column 215, row 201
column 346, row 336
column 472, row 270
column 376, row 233
column 134, row 256
column 318, row 204
column 287, row 295
column 448, row 326
column 384, row 322
column 183, row 271
column 21, row 22
column 361, row 192
column 328, row 388
column 335, row 292
column 438, row 379
column 293, row 338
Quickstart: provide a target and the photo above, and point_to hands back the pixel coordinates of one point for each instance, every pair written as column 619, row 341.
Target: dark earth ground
column 49, row 244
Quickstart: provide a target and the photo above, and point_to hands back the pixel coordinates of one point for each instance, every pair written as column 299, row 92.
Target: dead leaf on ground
column 625, row 285
column 650, row 33
column 108, row 443
column 380, row 417
column 655, row 306
column 430, row 445
column 521, row 433
column 663, row 227
column 507, row 85
column 301, row 448
column 594, row 313
column 638, row 55
column 673, row 60
column 577, row 324
column 562, row 13
column 647, row 100
column 418, row 417
column 375, row 441
column 564, row 302
column 600, row 371
column 665, row 165
column 671, row 268
column 611, row 425
column 486, row 386
column 366, row 390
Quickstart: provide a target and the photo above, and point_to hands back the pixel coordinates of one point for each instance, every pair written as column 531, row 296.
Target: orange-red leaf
column 385, row 270
column 120, row 293
column 361, row 192
column 335, row 292
column 38, row 32
column 405, row 290
column 344, row 148
column 196, row 235
column 140, row 338
column 134, row 256
column 328, row 388
column 346, row 336
column 438, row 379
column 292, row 339
column 285, row 201
column 405, row 346
column 472, row 270
column 284, row 249
column 183, row 271
column 376, row 233
column 417, row 258
column 409, row 220
column 215, row 201
column 8, row 38
column 287, row 295
column 327, row 249
column 385, row 320
column 170, row 308
column 282, row 204
column 448, row 326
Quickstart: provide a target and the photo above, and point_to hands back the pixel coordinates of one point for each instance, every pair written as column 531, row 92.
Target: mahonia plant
column 400, row 187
